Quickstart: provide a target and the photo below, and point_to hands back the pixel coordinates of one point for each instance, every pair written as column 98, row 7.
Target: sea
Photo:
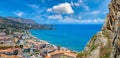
column 71, row 36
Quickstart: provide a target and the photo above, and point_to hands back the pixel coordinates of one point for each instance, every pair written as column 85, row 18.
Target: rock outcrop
column 106, row 43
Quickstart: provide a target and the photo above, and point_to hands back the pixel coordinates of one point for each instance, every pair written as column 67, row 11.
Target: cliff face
column 113, row 24
column 106, row 43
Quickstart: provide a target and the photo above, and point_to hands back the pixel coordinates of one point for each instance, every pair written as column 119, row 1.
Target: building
column 61, row 54
column 6, row 40
column 2, row 34
column 9, row 52
column 7, row 56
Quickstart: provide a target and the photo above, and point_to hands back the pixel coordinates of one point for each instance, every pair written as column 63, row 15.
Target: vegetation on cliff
column 106, row 43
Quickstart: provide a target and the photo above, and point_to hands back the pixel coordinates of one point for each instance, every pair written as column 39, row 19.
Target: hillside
column 106, row 43
column 6, row 23
column 22, row 20
column 19, row 23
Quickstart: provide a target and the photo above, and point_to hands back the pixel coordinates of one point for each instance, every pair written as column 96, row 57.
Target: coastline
column 74, row 39
column 55, row 46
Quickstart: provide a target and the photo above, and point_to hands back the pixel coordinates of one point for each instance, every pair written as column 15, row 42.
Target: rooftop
column 67, row 53
column 6, row 56
column 8, row 50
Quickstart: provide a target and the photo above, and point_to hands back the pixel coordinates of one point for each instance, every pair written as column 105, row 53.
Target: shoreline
column 38, row 39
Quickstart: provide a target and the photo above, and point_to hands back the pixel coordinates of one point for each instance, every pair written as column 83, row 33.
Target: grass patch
column 105, row 51
column 106, row 33
column 82, row 55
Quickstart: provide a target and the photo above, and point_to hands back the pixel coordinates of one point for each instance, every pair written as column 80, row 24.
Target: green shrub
column 82, row 55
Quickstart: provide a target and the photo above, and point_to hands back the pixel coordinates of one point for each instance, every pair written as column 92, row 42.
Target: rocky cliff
column 106, row 43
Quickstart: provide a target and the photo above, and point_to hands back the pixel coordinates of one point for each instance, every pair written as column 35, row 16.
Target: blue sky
column 57, row 11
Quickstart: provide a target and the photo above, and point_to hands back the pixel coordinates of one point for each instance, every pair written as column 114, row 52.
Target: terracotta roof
column 8, row 50
column 36, row 43
column 57, row 52
column 3, row 37
column 48, row 57
column 70, row 54
column 6, row 56
column 67, row 53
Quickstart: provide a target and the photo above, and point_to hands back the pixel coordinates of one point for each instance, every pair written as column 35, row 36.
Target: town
column 21, row 44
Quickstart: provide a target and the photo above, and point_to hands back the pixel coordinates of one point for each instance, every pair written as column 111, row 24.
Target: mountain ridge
column 106, row 43
column 20, row 23
column 22, row 20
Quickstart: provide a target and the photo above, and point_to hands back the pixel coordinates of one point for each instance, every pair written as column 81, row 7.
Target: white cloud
column 55, row 17
column 19, row 13
column 86, row 7
column 98, row 20
column 80, row 3
column 33, row 6
column 92, row 21
column 80, row 21
column 72, row 4
column 79, row 17
column 76, row 4
column 73, row 20
column 95, row 12
column 64, row 8
column 104, row 12
column 69, row 20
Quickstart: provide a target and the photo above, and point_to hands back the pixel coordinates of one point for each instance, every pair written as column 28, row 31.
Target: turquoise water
column 71, row 36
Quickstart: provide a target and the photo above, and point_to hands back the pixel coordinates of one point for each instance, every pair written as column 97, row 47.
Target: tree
column 21, row 46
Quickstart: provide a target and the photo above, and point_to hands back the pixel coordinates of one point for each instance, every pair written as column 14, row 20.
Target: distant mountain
column 20, row 23
column 5, row 23
column 22, row 20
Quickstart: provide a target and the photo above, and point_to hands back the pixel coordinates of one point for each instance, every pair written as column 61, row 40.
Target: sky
column 57, row 11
